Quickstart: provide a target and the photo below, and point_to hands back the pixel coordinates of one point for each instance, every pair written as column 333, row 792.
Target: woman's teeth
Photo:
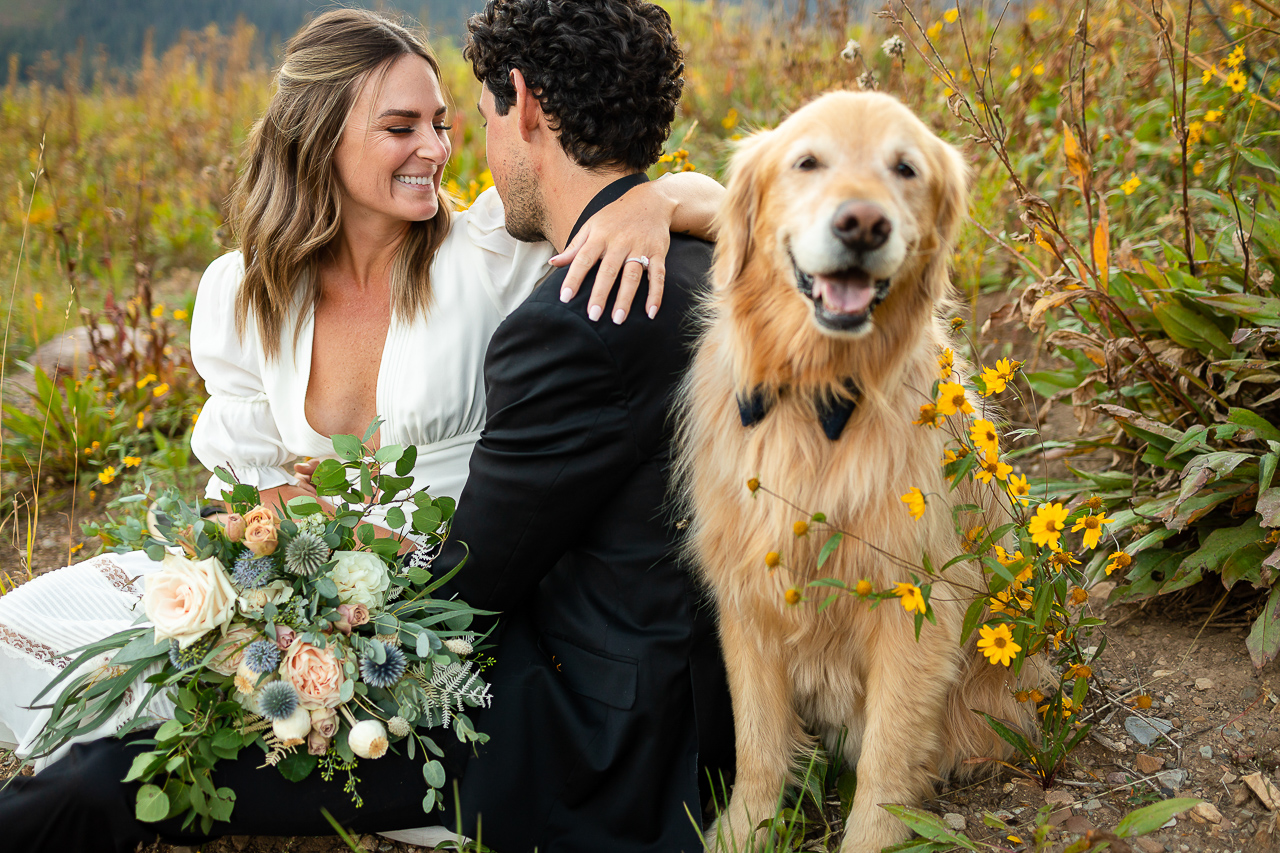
column 417, row 182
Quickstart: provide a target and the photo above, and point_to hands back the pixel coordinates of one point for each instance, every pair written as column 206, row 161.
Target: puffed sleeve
column 236, row 428
column 511, row 267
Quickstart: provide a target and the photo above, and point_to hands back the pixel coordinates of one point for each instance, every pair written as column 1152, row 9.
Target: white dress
column 430, row 393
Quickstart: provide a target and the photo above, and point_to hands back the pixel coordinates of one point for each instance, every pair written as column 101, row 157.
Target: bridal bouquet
column 293, row 630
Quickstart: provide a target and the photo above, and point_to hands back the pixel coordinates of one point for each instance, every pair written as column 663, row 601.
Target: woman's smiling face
column 394, row 147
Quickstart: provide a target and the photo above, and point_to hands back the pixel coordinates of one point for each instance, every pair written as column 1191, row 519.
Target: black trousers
column 79, row 805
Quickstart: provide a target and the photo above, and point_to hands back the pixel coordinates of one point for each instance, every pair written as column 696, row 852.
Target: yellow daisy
column 946, row 363
column 991, row 467
column 1119, row 562
column 915, row 502
column 952, row 399
column 1092, row 526
column 1018, row 489
column 910, row 596
column 998, row 645
column 1237, row 81
column 929, row 416
column 1047, row 524
column 985, row 438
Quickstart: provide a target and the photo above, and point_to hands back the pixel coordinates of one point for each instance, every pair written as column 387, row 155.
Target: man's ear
column 527, row 107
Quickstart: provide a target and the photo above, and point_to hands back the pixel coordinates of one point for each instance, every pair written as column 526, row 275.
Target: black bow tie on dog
column 833, row 411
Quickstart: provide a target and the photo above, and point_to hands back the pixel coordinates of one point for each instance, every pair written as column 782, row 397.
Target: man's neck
column 567, row 189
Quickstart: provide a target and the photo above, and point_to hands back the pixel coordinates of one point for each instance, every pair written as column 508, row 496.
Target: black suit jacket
column 609, row 693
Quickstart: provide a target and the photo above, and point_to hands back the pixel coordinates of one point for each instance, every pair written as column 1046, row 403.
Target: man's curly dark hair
column 608, row 73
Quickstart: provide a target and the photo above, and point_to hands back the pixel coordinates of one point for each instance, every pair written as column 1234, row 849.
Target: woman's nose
column 434, row 147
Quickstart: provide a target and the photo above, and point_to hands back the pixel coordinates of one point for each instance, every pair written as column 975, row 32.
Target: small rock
column 1146, row 731
column 1206, row 751
column 1173, row 779
column 1133, row 631
column 1249, row 693
column 1147, row 764
column 1078, row 824
column 1091, row 805
column 958, row 823
column 1007, row 789
column 1002, row 814
column 1058, row 797
column 1148, row 845
column 1117, row 778
column 1206, row 812
column 1161, row 673
column 1204, row 684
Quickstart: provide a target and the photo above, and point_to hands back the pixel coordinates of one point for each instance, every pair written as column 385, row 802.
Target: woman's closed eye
column 401, row 130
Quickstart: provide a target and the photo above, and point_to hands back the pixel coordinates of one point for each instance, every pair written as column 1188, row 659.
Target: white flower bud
column 368, row 739
column 295, row 727
column 458, row 646
column 398, row 726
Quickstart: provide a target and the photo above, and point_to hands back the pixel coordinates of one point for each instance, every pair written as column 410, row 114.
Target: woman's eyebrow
column 401, row 113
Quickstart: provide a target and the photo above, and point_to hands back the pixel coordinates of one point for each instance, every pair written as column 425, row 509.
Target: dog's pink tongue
column 844, row 294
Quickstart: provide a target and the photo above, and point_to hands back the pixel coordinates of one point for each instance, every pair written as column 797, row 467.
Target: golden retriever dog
column 822, row 336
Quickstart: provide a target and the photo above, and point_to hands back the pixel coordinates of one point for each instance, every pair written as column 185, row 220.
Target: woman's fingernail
column 553, row 259
column 565, row 294
column 653, row 311
column 594, row 312
column 618, row 316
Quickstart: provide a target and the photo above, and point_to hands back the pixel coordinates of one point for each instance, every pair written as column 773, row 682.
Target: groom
column 610, row 705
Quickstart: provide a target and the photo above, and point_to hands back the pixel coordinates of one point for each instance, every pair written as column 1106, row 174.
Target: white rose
column 368, row 739
column 254, row 601
column 186, row 600
column 294, row 727
column 361, row 577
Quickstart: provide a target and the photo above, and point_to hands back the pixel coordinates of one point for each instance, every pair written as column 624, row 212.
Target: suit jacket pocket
column 610, row 679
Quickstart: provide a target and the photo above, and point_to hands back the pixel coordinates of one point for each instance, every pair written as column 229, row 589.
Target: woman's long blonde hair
column 287, row 204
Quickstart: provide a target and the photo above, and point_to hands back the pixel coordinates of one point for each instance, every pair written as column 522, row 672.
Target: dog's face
column 851, row 196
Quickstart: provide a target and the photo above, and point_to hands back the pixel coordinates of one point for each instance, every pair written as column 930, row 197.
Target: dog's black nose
column 861, row 225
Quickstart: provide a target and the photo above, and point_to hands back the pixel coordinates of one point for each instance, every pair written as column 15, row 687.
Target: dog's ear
column 735, row 221
column 951, row 192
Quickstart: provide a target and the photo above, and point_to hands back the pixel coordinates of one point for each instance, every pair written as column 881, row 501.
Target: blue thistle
column 252, row 572
column 305, row 553
column 387, row 673
column 262, row 656
column 277, row 701
column 192, row 655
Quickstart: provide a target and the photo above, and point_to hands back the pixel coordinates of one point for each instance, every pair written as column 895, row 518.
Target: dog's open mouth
column 842, row 300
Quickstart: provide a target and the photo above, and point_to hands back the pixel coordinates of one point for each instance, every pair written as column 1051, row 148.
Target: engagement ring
column 642, row 260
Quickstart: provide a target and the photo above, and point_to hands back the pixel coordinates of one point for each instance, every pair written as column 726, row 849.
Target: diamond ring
column 642, row 260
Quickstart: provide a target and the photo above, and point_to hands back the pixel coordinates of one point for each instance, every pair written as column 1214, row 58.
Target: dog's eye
column 904, row 169
column 807, row 163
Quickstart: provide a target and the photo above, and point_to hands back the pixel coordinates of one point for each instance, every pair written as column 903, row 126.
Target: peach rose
column 315, row 673
column 234, row 526
column 186, row 600
column 261, row 513
column 232, row 647
column 324, row 721
column 260, row 538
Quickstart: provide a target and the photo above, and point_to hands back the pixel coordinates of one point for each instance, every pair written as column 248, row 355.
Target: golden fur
column 792, row 670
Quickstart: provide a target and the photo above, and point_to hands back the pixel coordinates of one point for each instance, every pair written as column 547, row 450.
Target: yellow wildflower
column 157, row 310
column 772, row 559
column 994, row 382
column 972, row 538
column 141, row 415
column 951, row 15
column 998, row 645
column 1019, row 490
column 730, row 120
column 929, row 416
column 160, row 390
column 793, row 596
column 1077, row 597
column 915, row 502
column 1066, row 707
column 38, row 299
column 1063, row 560
column 753, row 484
column 952, row 399
column 946, row 363
column 1209, row 74
column 1037, row 14
column 180, row 314
column 1235, row 57
column 957, row 323
column 991, row 467
column 985, row 438
column 800, row 528
column 1119, row 561
column 1237, row 81
column 1078, row 670
column 76, row 548
column 145, row 381
column 1092, row 526
column 1015, row 72
column 1195, row 132
column 1012, row 600
column 132, row 461
column 1142, row 701
column 910, row 596
column 1047, row 524
column 935, row 30
column 107, row 475
column 1213, row 115
column 863, row 588
column 1039, row 69
column 1198, row 168
column 1131, row 186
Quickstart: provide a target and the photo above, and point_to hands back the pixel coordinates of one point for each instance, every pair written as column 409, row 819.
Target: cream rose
column 315, row 673
column 254, row 601
column 231, row 648
column 361, row 577
column 186, row 600
column 260, row 525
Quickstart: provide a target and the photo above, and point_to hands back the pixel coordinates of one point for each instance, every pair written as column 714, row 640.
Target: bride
column 356, row 292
